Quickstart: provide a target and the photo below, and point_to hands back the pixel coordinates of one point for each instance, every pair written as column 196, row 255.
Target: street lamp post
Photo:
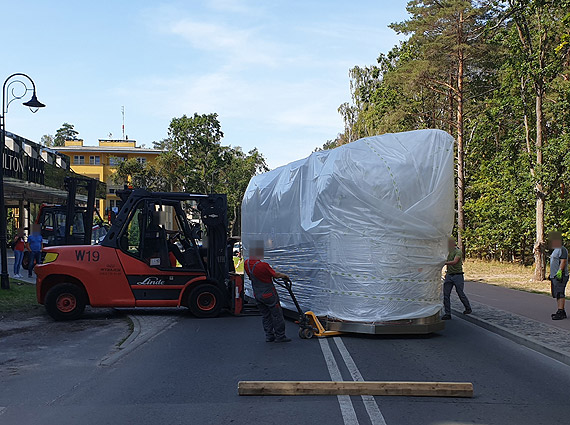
column 34, row 104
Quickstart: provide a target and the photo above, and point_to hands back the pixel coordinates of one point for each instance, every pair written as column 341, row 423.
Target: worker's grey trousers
column 450, row 281
column 273, row 321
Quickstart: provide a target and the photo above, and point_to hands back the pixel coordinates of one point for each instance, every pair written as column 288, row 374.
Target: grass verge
column 507, row 275
column 20, row 297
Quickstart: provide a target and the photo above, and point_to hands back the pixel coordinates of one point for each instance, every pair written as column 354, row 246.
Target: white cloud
column 286, row 121
column 273, row 89
column 208, row 36
column 218, row 32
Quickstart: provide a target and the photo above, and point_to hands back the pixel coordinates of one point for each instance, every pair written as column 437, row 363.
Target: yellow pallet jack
column 309, row 323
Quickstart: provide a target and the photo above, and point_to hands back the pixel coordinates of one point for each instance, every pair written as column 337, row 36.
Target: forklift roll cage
column 213, row 214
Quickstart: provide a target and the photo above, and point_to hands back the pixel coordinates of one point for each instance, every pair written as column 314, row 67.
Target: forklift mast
column 213, row 213
column 72, row 184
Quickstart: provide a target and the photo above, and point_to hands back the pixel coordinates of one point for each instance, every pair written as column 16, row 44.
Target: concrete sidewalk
column 23, row 272
column 520, row 316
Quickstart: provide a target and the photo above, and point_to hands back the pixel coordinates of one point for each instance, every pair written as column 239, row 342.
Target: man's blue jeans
column 35, row 258
column 450, row 281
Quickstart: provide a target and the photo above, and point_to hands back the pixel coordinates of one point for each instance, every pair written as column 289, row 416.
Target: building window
column 116, row 160
column 79, row 159
column 141, row 160
column 111, row 190
column 94, row 160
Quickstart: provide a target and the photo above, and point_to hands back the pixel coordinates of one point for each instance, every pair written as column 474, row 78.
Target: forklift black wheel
column 306, row 333
column 65, row 301
column 206, row 300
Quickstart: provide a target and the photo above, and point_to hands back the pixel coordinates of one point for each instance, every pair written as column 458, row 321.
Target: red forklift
column 162, row 250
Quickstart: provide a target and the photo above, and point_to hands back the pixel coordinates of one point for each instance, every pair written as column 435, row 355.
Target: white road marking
column 372, row 408
column 2, row 410
column 346, row 407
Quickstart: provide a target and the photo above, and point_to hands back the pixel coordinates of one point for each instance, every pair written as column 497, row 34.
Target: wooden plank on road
column 409, row 389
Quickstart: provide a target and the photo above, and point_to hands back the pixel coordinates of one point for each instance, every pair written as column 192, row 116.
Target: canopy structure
column 360, row 229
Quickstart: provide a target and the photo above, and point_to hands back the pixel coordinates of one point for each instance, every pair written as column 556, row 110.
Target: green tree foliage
column 496, row 75
column 65, row 132
column 47, row 140
column 193, row 152
column 237, row 170
column 142, row 175
column 539, row 54
column 195, row 161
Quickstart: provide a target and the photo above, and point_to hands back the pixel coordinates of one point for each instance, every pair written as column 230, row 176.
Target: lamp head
column 34, row 104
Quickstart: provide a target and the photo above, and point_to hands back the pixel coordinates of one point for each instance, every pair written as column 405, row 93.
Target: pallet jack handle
column 288, row 285
column 309, row 323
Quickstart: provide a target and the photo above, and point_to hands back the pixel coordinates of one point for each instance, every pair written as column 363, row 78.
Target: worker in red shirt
column 261, row 275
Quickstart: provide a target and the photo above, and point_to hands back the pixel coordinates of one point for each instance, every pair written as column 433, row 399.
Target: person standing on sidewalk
column 34, row 245
column 18, row 246
column 558, row 273
column 454, row 277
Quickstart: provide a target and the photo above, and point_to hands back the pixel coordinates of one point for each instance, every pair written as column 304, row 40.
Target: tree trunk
column 539, row 246
column 460, row 139
column 234, row 224
column 451, row 96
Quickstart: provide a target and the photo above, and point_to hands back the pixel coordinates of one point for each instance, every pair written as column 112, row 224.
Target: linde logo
column 151, row 281
column 13, row 163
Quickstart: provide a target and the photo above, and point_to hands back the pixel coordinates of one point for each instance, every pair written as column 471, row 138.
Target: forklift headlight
column 50, row 257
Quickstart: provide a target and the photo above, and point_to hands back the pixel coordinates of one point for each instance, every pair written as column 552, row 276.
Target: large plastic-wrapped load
column 360, row 229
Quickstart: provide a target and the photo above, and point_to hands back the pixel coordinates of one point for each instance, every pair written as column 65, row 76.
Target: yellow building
column 99, row 162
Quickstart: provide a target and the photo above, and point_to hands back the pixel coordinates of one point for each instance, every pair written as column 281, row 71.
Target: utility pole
column 34, row 104
column 123, row 112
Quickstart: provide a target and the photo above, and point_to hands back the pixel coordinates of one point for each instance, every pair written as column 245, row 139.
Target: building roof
column 107, row 149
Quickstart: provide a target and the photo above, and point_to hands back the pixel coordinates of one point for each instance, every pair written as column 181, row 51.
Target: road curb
column 141, row 334
column 524, row 340
column 127, row 346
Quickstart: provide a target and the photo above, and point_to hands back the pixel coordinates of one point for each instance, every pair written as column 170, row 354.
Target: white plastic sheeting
column 360, row 229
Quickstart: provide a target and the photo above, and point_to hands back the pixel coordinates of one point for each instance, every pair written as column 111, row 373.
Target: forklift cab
column 52, row 219
column 158, row 233
column 52, row 225
column 70, row 224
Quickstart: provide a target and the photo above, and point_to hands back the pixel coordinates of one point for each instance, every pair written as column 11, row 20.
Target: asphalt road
column 189, row 374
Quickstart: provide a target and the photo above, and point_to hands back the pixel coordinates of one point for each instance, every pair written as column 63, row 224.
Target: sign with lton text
column 20, row 166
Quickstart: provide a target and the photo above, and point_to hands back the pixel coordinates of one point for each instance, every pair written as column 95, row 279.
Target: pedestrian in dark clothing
column 558, row 273
column 261, row 275
column 454, row 277
column 34, row 245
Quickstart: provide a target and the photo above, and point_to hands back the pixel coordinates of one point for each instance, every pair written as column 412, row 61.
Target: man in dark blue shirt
column 34, row 245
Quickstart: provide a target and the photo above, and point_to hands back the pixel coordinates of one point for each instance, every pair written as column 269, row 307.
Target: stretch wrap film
column 360, row 229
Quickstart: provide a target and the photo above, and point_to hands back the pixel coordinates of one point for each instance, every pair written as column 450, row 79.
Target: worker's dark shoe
column 284, row 339
column 468, row 311
column 446, row 317
column 269, row 338
column 559, row 315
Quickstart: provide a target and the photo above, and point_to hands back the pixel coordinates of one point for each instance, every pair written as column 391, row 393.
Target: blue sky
column 274, row 71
